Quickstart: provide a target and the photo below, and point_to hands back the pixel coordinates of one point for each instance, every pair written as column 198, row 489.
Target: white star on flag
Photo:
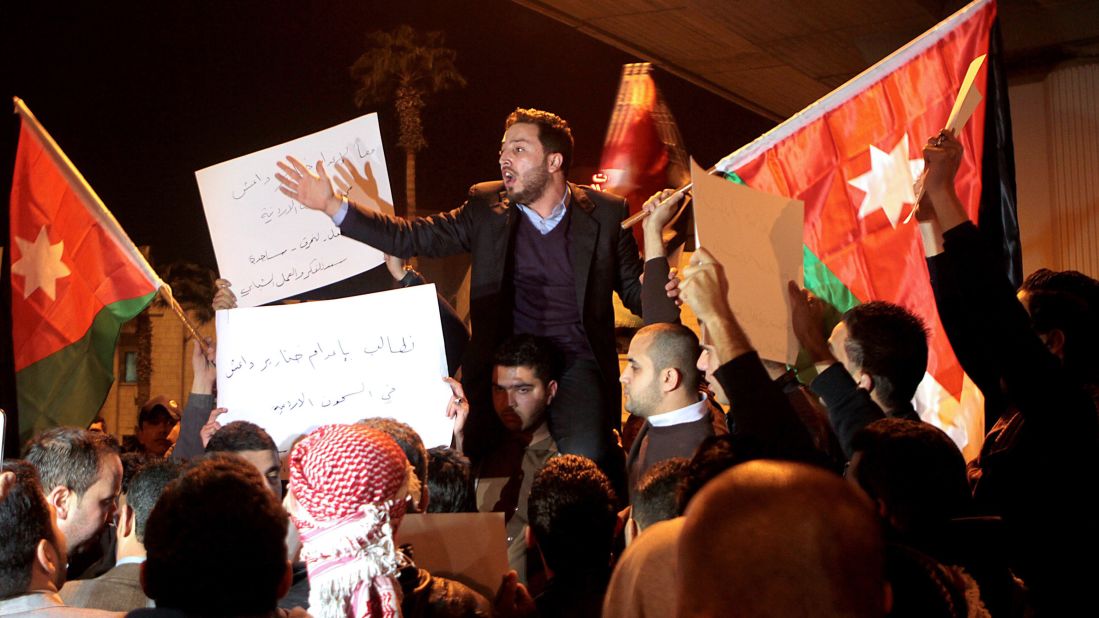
column 888, row 184
column 40, row 263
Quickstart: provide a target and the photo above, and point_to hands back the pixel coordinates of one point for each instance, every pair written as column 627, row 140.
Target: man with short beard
column 547, row 256
column 660, row 384
column 81, row 474
column 32, row 553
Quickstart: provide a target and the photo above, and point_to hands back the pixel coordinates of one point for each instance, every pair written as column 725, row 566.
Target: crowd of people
column 735, row 489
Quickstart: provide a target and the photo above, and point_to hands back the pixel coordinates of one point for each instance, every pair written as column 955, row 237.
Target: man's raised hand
column 312, row 190
column 224, row 297
column 457, row 409
column 807, row 317
column 704, row 288
column 212, row 426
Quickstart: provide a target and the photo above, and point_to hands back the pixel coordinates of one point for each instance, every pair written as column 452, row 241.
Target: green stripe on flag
column 820, row 280
column 824, row 284
column 69, row 386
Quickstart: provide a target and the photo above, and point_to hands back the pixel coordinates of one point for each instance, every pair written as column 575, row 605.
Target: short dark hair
column 450, row 482
column 538, row 353
column 572, row 515
column 216, row 524
column 406, row 438
column 1068, row 301
column 553, row 132
column 915, row 470
column 144, row 488
column 69, row 457
column 25, row 519
column 889, row 343
column 131, row 462
column 655, row 497
column 674, row 346
column 241, row 436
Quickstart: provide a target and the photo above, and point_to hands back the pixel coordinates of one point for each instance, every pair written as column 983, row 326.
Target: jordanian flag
column 643, row 151
column 76, row 278
column 852, row 157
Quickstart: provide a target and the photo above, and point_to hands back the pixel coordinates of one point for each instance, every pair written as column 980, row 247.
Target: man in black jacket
column 547, row 256
column 1038, row 466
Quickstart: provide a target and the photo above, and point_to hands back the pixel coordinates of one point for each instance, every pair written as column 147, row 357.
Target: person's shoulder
column 490, row 191
column 598, row 197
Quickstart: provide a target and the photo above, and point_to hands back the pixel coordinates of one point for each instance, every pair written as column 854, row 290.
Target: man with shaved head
column 769, row 538
column 660, row 385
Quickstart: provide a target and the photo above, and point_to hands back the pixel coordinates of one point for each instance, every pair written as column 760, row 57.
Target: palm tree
column 407, row 66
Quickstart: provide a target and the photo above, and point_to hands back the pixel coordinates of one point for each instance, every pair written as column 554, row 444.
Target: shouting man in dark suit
column 547, row 256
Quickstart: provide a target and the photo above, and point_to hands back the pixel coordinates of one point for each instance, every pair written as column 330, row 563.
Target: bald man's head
column 769, row 538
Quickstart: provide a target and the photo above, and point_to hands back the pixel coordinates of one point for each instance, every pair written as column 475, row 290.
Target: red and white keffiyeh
column 348, row 486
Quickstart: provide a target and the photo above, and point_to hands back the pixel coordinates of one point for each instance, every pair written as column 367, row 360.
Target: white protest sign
column 293, row 368
column 757, row 238
column 271, row 247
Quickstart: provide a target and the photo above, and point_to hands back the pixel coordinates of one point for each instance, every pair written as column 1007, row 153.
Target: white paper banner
column 293, row 368
column 269, row 246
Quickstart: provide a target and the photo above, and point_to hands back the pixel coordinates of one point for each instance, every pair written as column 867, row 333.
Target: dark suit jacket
column 605, row 259
column 117, row 590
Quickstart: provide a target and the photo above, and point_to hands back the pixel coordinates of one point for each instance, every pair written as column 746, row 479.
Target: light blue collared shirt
column 545, row 225
column 341, row 214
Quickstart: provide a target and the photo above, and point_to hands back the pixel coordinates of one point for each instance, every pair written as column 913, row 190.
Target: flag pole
column 103, row 217
column 165, row 292
column 633, row 219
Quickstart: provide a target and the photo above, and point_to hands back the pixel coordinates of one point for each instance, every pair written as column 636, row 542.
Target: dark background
column 139, row 95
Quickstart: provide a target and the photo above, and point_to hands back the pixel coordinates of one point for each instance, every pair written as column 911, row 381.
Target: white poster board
column 293, row 368
column 271, row 247
column 757, row 238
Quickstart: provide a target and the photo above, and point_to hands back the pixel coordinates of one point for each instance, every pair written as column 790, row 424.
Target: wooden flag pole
column 165, row 292
column 633, row 219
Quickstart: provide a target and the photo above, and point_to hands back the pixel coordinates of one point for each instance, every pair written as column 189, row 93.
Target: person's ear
column 1055, row 341
column 551, row 391
column 670, row 379
column 865, row 381
column 287, row 580
column 127, row 521
column 883, row 510
column 631, row 530
column 554, row 161
column 59, row 498
column 49, row 559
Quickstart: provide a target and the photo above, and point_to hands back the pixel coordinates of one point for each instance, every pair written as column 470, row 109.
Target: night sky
column 142, row 94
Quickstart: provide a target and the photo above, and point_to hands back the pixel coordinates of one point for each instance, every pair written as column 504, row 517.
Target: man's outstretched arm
column 435, row 236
